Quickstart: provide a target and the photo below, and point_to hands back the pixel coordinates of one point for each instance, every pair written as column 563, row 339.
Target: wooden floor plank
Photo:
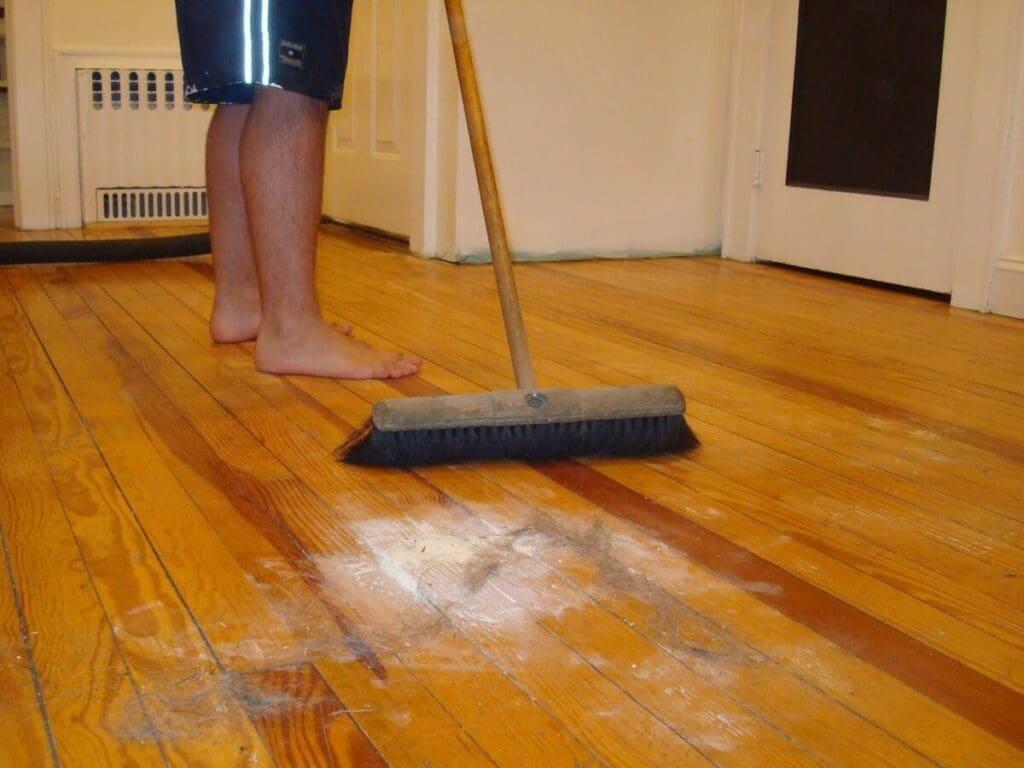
column 829, row 728
column 985, row 595
column 168, row 310
column 708, row 371
column 990, row 699
column 168, row 654
column 82, row 675
column 320, row 481
column 763, row 659
column 609, row 353
column 23, row 728
column 1010, row 561
column 863, row 303
column 546, row 529
column 812, row 321
column 927, row 625
column 8, row 234
column 577, row 331
column 331, row 546
column 302, row 720
column 785, row 752
column 990, row 570
column 241, row 640
column 775, row 597
column 934, row 431
column 993, row 520
column 930, row 404
column 172, row 521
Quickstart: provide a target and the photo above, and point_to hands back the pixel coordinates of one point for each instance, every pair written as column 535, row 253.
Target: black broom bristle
column 532, row 442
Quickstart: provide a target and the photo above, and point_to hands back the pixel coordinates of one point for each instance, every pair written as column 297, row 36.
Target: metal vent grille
column 106, row 89
column 141, row 146
column 151, row 203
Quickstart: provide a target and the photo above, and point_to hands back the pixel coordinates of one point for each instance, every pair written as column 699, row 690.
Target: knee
column 289, row 105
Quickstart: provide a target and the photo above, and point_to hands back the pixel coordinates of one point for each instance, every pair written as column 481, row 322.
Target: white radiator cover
column 141, row 147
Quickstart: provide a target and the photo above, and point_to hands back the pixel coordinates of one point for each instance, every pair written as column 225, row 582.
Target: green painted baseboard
column 484, row 256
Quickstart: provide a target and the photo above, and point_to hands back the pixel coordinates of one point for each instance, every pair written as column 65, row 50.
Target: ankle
column 290, row 328
column 245, row 298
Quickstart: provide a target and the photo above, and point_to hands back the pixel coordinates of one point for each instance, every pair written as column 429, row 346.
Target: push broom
column 528, row 423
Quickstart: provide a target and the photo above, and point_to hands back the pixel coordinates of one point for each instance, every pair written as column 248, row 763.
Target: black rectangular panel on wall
column 866, row 96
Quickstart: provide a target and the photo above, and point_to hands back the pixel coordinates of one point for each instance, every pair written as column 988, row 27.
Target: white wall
column 50, row 38
column 31, row 165
column 112, row 24
column 606, row 118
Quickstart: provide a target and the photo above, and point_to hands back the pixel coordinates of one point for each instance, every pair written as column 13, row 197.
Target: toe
column 401, row 367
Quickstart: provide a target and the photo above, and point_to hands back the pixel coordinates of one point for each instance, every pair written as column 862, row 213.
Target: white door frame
column 436, row 158
column 427, row 133
column 997, row 59
column 34, row 166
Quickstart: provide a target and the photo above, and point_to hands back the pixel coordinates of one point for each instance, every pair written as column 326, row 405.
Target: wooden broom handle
column 496, row 235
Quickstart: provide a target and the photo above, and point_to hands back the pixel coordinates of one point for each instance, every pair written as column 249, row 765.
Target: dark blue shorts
column 229, row 47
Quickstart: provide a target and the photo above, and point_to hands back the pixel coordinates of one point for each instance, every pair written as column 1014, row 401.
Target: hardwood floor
column 833, row 578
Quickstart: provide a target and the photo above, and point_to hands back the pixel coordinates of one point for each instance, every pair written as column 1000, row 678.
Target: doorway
column 808, row 214
column 370, row 162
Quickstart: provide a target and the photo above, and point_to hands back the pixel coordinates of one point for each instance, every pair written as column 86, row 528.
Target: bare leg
column 282, row 157
column 236, row 304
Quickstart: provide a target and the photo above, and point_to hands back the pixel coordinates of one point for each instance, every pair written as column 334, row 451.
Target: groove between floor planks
column 413, row 606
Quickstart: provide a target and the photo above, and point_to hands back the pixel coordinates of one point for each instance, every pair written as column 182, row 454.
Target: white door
column 909, row 242
column 369, row 173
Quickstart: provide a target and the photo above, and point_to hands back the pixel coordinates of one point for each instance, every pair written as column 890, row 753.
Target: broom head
column 537, row 425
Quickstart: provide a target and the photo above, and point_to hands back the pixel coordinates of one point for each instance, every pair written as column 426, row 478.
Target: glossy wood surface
column 189, row 578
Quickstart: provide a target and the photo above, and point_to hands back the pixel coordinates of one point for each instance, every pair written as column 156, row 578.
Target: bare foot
column 235, row 320
column 324, row 349
column 238, row 320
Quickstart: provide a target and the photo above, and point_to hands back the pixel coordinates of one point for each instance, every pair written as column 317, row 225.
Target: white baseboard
column 1008, row 290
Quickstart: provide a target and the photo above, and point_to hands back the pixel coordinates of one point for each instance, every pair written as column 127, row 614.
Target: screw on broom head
column 522, row 426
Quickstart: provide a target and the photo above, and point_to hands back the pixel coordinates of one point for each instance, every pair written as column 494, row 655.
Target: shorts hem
column 241, row 92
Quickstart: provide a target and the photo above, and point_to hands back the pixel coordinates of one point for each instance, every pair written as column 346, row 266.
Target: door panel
column 866, row 96
column 902, row 241
column 368, row 177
